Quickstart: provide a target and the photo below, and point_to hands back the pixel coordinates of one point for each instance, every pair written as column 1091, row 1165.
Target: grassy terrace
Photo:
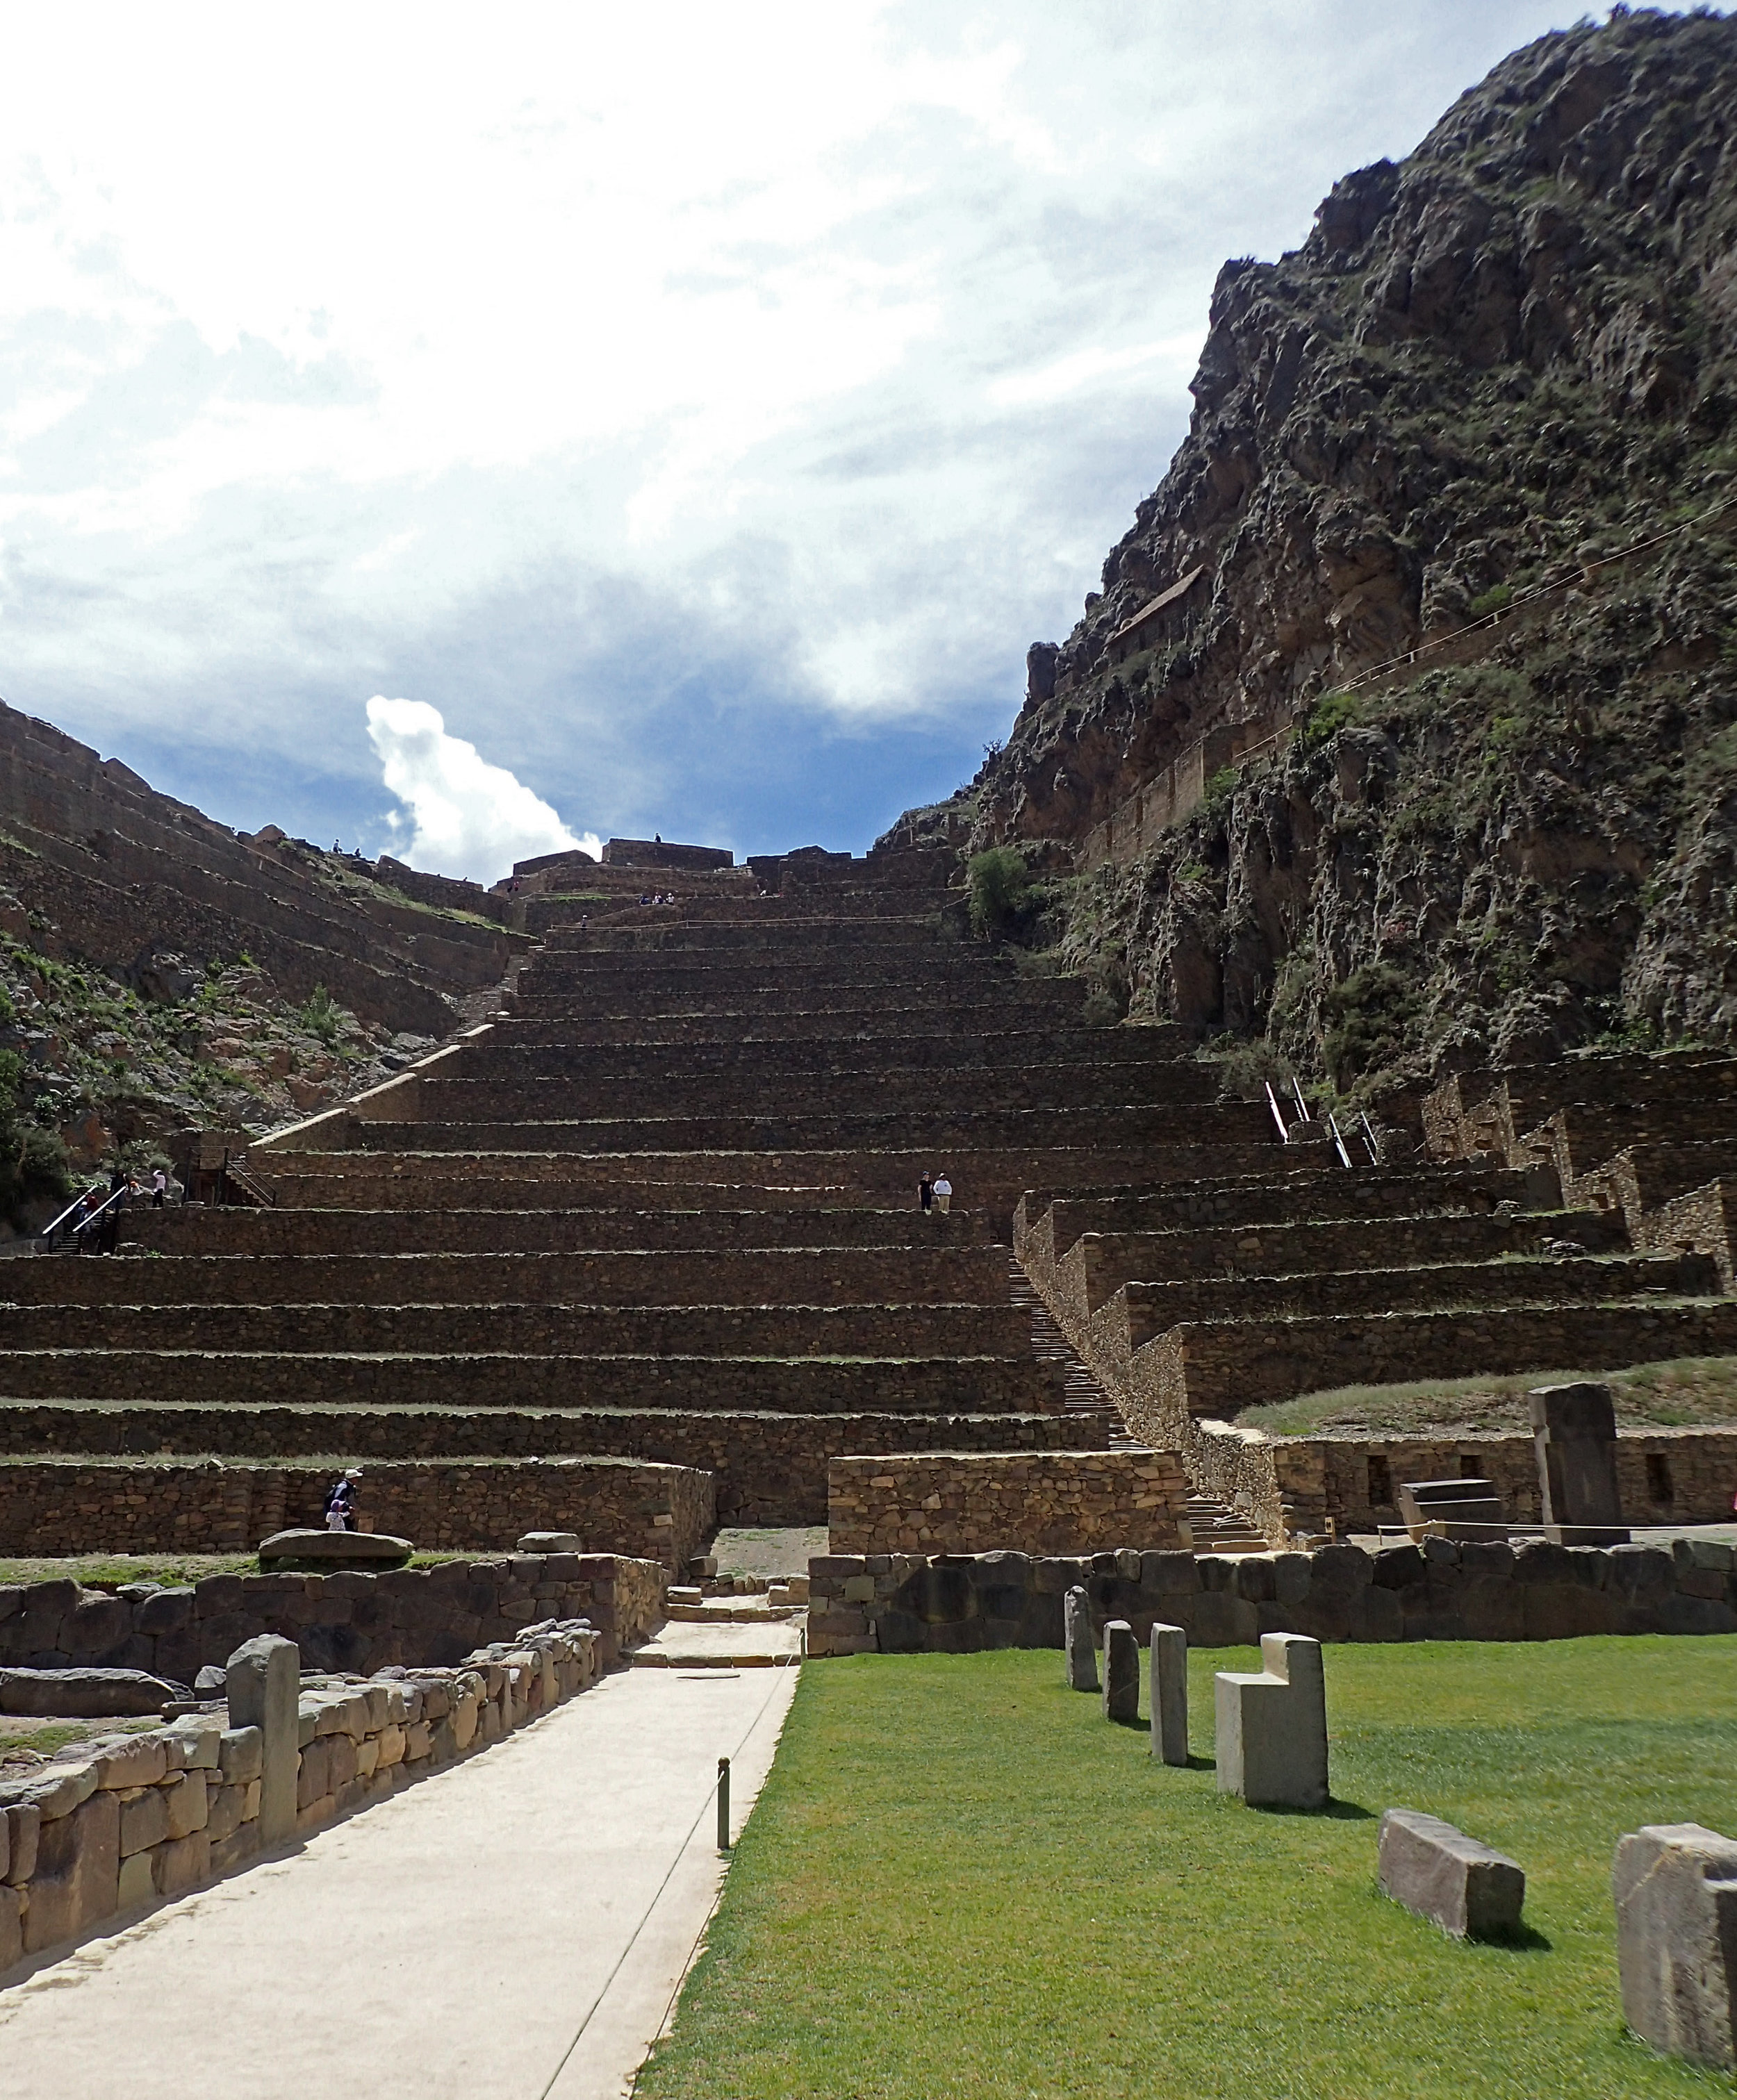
column 1685, row 1392
column 961, row 1881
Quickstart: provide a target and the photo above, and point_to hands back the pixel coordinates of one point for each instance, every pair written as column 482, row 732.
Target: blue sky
column 702, row 421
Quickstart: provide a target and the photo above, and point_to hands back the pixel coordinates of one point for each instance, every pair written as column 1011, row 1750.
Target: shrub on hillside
column 1002, row 899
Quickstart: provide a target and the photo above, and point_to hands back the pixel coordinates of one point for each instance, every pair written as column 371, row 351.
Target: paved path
column 685, row 1644
column 453, row 1939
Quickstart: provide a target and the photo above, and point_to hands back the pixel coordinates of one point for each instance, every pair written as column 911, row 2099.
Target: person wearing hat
column 340, row 1505
column 943, row 1192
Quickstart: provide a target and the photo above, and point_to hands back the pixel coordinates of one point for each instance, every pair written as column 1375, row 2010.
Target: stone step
column 1225, row 1124
column 1144, row 1310
column 535, row 1230
column 482, row 1095
column 770, row 1332
column 666, row 933
column 1280, row 1195
column 501, row 1056
column 787, row 1017
column 1098, row 1264
column 935, row 1275
column 986, row 1179
column 679, row 1647
column 786, row 1385
column 733, row 1611
column 1218, row 1367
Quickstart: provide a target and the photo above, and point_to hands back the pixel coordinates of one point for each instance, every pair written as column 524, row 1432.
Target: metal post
column 723, row 1804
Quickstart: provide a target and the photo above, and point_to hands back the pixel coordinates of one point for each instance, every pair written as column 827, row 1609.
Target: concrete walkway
column 456, row 1938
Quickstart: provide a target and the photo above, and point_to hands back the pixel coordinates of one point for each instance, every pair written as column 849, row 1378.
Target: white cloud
column 466, row 816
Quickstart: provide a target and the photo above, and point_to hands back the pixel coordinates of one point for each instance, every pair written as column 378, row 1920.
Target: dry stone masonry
column 661, row 1211
column 349, row 1620
column 957, row 1604
column 108, row 1828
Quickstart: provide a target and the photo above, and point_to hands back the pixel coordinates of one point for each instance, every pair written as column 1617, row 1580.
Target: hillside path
column 455, row 1935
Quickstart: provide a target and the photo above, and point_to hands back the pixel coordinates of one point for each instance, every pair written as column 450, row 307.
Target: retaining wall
column 52, row 1506
column 956, row 1502
column 349, row 1620
column 766, row 1468
column 958, row 1603
column 111, row 1827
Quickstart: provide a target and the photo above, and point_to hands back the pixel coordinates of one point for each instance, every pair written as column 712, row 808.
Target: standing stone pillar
column 1121, row 1672
column 1574, row 1431
column 1272, row 1728
column 1082, row 1651
column 264, row 1692
column 1676, row 1890
column 1169, row 1694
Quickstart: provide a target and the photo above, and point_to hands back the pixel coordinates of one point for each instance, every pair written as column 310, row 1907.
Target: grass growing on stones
column 1681, row 1392
column 960, row 1881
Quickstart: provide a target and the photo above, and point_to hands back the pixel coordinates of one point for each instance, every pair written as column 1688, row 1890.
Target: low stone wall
column 956, row 1603
column 68, row 1505
column 409, row 1617
column 958, row 1501
column 768, row 1467
column 1663, row 1476
column 108, row 1828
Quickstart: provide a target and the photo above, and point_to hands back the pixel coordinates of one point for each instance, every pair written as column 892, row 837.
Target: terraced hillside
column 664, row 1209
column 1572, row 1215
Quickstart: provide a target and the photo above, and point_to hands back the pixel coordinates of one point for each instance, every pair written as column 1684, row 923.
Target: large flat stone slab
column 337, row 1549
column 85, row 1695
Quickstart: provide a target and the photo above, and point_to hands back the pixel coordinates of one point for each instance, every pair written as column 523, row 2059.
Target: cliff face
column 1488, row 369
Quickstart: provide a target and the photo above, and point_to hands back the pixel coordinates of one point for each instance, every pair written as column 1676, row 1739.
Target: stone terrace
column 1565, row 1216
column 664, row 1210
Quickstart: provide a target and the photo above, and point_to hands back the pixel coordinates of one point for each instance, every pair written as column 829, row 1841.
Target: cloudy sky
column 677, row 418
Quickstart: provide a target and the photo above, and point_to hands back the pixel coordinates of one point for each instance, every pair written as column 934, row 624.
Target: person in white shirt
column 944, row 1193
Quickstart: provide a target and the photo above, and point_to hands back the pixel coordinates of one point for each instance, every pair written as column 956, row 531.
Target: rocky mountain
column 1402, row 732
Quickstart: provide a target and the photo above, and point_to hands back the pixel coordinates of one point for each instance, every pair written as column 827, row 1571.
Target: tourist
column 159, row 1188
column 926, row 1192
column 340, row 1504
column 944, row 1193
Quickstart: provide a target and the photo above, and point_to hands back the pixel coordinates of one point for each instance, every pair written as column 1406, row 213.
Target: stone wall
column 349, row 1620
column 1665, row 1476
column 109, row 1827
column 956, row 1502
column 902, row 1604
column 49, row 1506
column 768, row 1467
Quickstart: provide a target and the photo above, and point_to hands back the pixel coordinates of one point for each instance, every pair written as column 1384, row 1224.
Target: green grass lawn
column 960, row 1881
column 1682, row 1392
